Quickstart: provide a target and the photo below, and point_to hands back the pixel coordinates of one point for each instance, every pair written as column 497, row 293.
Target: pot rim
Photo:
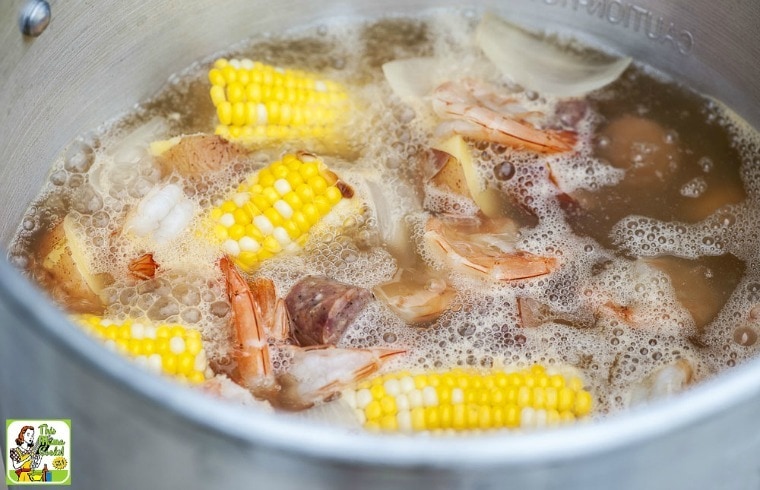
column 321, row 442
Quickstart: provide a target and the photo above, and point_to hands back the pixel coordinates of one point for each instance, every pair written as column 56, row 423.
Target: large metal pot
column 131, row 430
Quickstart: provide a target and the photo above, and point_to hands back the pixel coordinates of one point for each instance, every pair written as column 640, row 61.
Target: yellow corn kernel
column 193, row 345
column 236, row 232
column 565, row 399
column 224, row 112
column 333, row 194
column 497, row 397
column 149, row 347
column 458, row 417
column 216, row 78
column 472, row 416
column 293, row 230
column 550, row 398
column 311, row 213
column 294, row 179
column 377, row 390
column 498, row 417
column 388, row 405
column 273, row 216
column 185, row 363
column 318, row 184
column 484, row 417
column 512, row 416
column 432, row 418
column 309, row 170
column 557, row 381
column 323, row 204
column 230, row 73
column 582, row 403
column 293, row 200
column 389, row 423
column 524, row 396
column 418, row 419
column 300, row 220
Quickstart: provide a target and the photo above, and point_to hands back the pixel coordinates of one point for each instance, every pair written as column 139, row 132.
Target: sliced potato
column 65, row 271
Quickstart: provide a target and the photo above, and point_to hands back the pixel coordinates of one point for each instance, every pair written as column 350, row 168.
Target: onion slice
column 538, row 65
column 412, row 77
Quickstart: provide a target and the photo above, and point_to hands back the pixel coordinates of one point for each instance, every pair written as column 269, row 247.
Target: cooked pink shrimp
column 476, row 111
column 484, row 255
column 314, row 374
column 416, row 296
column 143, row 267
column 254, row 361
column 320, row 373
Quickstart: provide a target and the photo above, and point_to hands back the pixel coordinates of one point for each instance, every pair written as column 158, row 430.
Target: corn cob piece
column 169, row 349
column 255, row 101
column 275, row 209
column 459, row 400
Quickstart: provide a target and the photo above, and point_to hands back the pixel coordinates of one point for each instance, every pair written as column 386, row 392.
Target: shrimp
column 664, row 382
column 254, row 361
column 143, row 267
column 476, row 111
column 489, row 256
column 223, row 387
column 416, row 297
column 314, row 374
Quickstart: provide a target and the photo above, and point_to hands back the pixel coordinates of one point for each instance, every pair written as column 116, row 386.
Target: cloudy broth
column 661, row 228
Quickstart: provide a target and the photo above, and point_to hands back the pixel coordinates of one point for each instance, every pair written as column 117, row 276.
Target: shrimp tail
column 254, row 362
column 143, row 267
column 523, row 265
column 508, row 132
column 320, row 373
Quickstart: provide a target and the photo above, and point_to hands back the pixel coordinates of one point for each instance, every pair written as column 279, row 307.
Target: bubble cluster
column 613, row 314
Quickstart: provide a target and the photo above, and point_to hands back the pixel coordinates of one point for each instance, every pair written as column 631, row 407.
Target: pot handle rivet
column 34, row 17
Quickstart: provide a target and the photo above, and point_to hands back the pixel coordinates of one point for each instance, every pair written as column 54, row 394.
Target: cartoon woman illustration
column 25, row 457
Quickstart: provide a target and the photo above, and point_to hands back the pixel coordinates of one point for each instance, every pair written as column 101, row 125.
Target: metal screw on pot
column 34, row 17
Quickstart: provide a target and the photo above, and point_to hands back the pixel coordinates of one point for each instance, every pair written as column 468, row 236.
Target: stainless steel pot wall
column 130, row 430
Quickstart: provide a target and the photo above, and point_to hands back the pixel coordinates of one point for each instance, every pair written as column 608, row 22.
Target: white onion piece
column 538, row 65
column 393, row 230
column 413, row 77
column 135, row 144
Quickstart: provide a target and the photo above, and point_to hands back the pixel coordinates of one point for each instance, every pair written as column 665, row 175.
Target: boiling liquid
column 596, row 231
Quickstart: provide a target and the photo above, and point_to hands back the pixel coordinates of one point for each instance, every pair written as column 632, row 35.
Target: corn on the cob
column 461, row 400
column 275, row 209
column 170, row 349
column 255, row 101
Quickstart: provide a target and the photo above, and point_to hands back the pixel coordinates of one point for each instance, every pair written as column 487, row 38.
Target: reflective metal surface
column 34, row 17
column 131, row 430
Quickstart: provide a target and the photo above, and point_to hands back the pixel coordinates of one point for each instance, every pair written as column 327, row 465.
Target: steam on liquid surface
column 698, row 203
